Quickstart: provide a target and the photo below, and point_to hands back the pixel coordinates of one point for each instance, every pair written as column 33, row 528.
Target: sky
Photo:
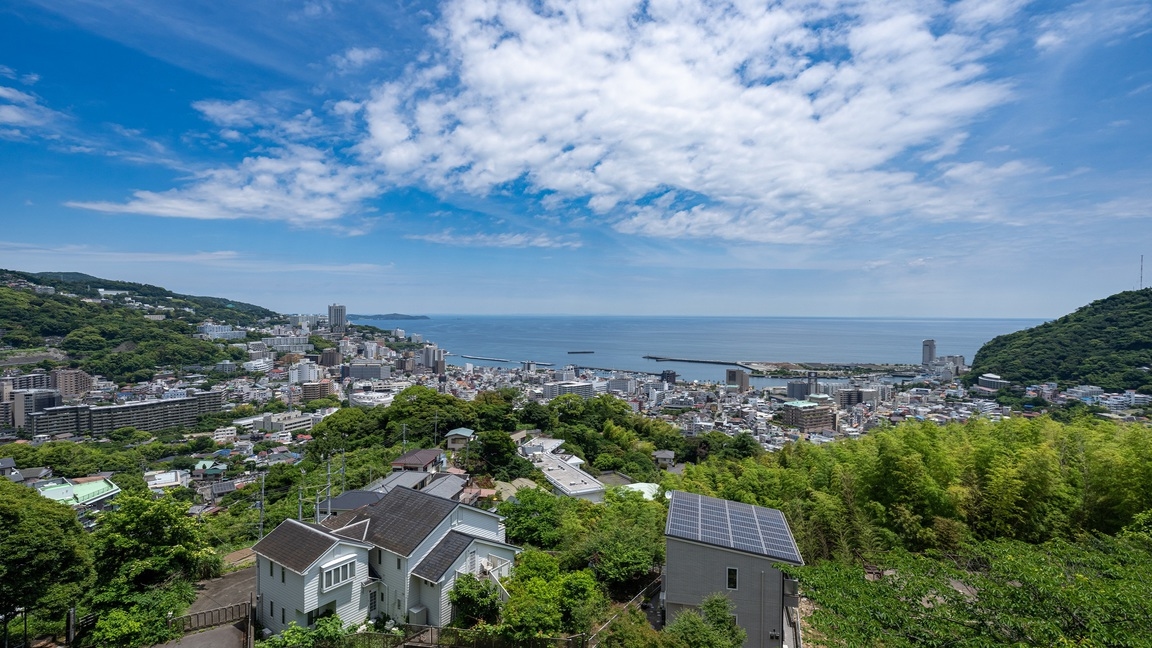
column 908, row 158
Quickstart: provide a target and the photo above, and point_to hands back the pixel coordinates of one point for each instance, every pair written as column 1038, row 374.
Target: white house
column 399, row 556
column 458, row 438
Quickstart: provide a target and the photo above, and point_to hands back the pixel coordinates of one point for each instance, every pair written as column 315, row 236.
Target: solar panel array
column 734, row 525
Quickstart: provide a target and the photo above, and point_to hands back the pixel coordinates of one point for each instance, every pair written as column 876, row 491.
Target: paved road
column 226, row 590
column 222, row 637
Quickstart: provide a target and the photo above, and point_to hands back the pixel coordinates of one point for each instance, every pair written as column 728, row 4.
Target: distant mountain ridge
column 389, row 316
column 1106, row 343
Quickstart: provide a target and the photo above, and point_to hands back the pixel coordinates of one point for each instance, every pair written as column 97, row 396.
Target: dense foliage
column 1106, row 343
column 215, row 308
column 113, row 341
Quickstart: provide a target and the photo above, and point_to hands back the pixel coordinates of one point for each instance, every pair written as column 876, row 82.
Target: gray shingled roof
column 440, row 559
column 418, row 457
column 350, row 500
column 295, row 545
column 399, row 522
column 448, row 487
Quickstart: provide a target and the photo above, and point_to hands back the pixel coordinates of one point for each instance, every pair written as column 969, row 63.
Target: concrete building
column 561, row 387
column 149, row 416
column 736, row 380
column 220, row 332
column 311, row 391
column 71, row 382
column 807, row 416
column 928, row 352
column 368, row 370
column 714, row 545
column 289, row 344
column 563, row 471
column 26, row 402
column 331, row 357
column 337, row 318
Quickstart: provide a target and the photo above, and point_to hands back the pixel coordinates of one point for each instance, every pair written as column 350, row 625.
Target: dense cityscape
column 207, row 437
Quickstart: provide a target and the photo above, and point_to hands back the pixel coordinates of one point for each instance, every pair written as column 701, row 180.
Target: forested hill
column 1106, row 343
column 215, row 308
column 114, row 339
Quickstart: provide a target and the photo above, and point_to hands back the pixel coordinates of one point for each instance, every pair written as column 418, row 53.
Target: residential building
column 337, row 317
column 368, row 370
column 224, row 435
column 399, row 556
column 311, row 391
column 561, row 387
column 562, row 470
column 220, row 332
column 928, row 352
column 71, row 382
column 715, row 545
column 807, row 416
column 26, row 402
column 330, row 357
column 289, row 344
column 457, row 439
column 736, row 380
column 149, row 416
column 84, row 494
column 430, row 460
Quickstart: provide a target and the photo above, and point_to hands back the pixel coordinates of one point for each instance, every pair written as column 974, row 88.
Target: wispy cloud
column 38, row 255
column 1086, row 23
column 23, row 114
column 301, row 185
column 496, row 240
column 355, row 58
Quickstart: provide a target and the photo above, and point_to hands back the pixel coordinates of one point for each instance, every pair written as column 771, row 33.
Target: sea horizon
column 620, row 342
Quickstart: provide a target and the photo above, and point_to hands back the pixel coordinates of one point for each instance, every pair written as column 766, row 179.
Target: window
column 732, row 578
column 397, row 562
column 339, row 574
column 271, row 567
column 271, row 608
column 371, row 601
column 281, row 573
column 281, row 616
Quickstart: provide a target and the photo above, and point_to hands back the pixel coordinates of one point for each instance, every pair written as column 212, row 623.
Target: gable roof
column 418, row 457
column 296, row 545
column 440, row 559
column 460, row 431
column 352, row 499
column 399, row 522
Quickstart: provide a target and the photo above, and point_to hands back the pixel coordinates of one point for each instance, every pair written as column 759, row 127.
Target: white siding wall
column 350, row 598
column 393, row 584
column 479, row 523
column 287, row 596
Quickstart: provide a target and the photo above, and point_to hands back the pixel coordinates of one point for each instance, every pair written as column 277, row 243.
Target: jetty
column 711, row 362
column 472, row 357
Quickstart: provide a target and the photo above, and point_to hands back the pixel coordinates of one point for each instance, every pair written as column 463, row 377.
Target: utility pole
column 404, row 437
column 329, row 489
column 261, row 534
column 343, row 470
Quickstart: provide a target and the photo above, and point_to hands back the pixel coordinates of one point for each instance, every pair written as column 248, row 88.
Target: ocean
column 622, row 342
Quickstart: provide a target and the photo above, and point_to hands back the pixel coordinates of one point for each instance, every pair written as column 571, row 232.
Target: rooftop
column 732, row 525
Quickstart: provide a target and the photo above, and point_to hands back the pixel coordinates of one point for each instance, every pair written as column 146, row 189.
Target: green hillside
column 1106, row 343
column 111, row 339
column 215, row 308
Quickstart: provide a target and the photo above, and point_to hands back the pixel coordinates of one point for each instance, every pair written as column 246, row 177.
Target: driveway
column 235, row 587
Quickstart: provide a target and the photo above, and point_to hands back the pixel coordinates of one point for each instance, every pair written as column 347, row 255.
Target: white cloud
column 496, row 240
column 1086, row 23
column 232, row 114
column 768, row 122
column 21, row 113
column 355, row 58
column 301, row 185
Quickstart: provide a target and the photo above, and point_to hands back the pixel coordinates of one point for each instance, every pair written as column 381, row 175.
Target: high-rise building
column 808, row 416
column 736, row 380
column 929, row 352
column 330, row 357
column 28, row 401
column 72, row 382
column 337, row 317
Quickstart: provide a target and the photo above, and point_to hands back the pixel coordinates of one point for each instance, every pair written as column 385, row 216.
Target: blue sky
column 971, row 158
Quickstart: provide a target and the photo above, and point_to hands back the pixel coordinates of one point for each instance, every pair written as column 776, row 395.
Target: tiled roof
column 418, row 457
column 352, row 499
column 440, row 559
column 400, row 521
column 295, row 545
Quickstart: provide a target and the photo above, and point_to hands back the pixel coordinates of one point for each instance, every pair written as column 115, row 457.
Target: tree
column 45, row 560
column 474, row 601
column 712, row 627
column 145, row 542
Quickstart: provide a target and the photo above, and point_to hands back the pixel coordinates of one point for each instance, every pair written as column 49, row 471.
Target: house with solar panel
column 398, row 556
column 715, row 545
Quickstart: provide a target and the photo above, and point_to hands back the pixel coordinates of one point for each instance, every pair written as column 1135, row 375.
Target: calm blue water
column 621, row 342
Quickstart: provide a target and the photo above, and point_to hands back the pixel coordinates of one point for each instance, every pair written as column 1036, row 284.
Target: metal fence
column 211, row 618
